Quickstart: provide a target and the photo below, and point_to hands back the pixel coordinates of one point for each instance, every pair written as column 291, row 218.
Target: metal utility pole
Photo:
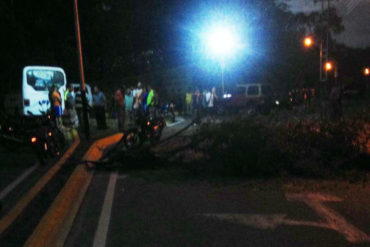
column 82, row 75
column 324, row 43
column 222, row 77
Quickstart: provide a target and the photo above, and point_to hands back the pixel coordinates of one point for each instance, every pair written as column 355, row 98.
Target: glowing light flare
column 367, row 71
column 33, row 140
column 328, row 66
column 221, row 41
column 308, row 42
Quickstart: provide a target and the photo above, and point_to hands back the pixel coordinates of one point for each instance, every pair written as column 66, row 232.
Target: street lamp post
column 367, row 77
column 222, row 64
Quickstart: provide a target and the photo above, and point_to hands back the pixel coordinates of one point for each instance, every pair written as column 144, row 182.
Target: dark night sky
column 43, row 32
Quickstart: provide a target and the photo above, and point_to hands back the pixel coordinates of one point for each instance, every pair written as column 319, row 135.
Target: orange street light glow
column 366, row 71
column 328, row 66
column 308, row 42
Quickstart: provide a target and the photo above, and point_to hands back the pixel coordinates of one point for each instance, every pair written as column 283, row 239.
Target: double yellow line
column 9, row 218
column 55, row 225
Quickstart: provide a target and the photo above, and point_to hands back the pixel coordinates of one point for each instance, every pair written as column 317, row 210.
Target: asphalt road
column 151, row 212
column 167, row 208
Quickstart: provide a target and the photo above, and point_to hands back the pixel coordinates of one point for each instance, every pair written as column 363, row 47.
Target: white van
column 36, row 84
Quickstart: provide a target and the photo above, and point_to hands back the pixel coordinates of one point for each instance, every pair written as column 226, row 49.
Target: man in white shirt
column 137, row 93
column 210, row 99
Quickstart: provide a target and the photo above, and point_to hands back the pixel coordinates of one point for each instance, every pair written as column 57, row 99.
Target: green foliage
column 256, row 148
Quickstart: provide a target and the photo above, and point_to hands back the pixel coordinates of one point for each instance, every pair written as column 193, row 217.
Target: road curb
column 55, row 225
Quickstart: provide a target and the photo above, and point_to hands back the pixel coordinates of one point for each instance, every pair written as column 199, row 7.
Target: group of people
column 198, row 103
column 130, row 103
column 73, row 112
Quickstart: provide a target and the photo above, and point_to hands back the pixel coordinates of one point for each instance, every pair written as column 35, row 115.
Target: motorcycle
column 148, row 129
column 40, row 133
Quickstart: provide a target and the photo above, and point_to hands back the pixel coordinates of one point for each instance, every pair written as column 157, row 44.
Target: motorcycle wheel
column 132, row 140
column 156, row 137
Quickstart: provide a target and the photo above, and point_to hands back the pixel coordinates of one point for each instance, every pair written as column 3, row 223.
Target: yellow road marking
column 8, row 219
column 55, row 225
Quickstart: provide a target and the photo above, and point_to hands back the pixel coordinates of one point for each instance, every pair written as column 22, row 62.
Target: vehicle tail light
column 33, row 140
column 156, row 127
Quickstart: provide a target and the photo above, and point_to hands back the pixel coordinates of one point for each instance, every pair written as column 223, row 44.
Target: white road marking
column 331, row 219
column 261, row 221
column 104, row 219
column 15, row 183
column 179, row 121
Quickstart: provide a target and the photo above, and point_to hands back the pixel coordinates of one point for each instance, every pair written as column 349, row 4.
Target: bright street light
column 328, row 66
column 308, row 42
column 366, row 71
column 222, row 41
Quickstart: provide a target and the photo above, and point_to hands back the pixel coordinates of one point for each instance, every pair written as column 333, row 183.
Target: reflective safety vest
column 66, row 94
column 149, row 99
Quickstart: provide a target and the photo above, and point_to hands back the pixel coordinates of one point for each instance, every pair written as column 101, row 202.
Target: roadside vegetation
column 283, row 143
column 259, row 146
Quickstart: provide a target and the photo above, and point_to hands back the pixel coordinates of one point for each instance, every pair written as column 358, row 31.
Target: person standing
column 56, row 100
column 99, row 103
column 128, row 101
column 78, row 105
column 196, row 100
column 137, row 94
column 188, row 101
column 69, row 96
column 144, row 101
column 120, row 108
column 211, row 97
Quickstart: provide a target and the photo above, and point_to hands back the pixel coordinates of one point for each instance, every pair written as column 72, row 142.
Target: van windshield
column 43, row 80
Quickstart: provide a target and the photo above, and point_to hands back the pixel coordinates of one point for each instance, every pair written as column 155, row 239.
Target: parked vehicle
column 32, row 98
column 27, row 118
column 40, row 133
column 147, row 129
column 253, row 97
